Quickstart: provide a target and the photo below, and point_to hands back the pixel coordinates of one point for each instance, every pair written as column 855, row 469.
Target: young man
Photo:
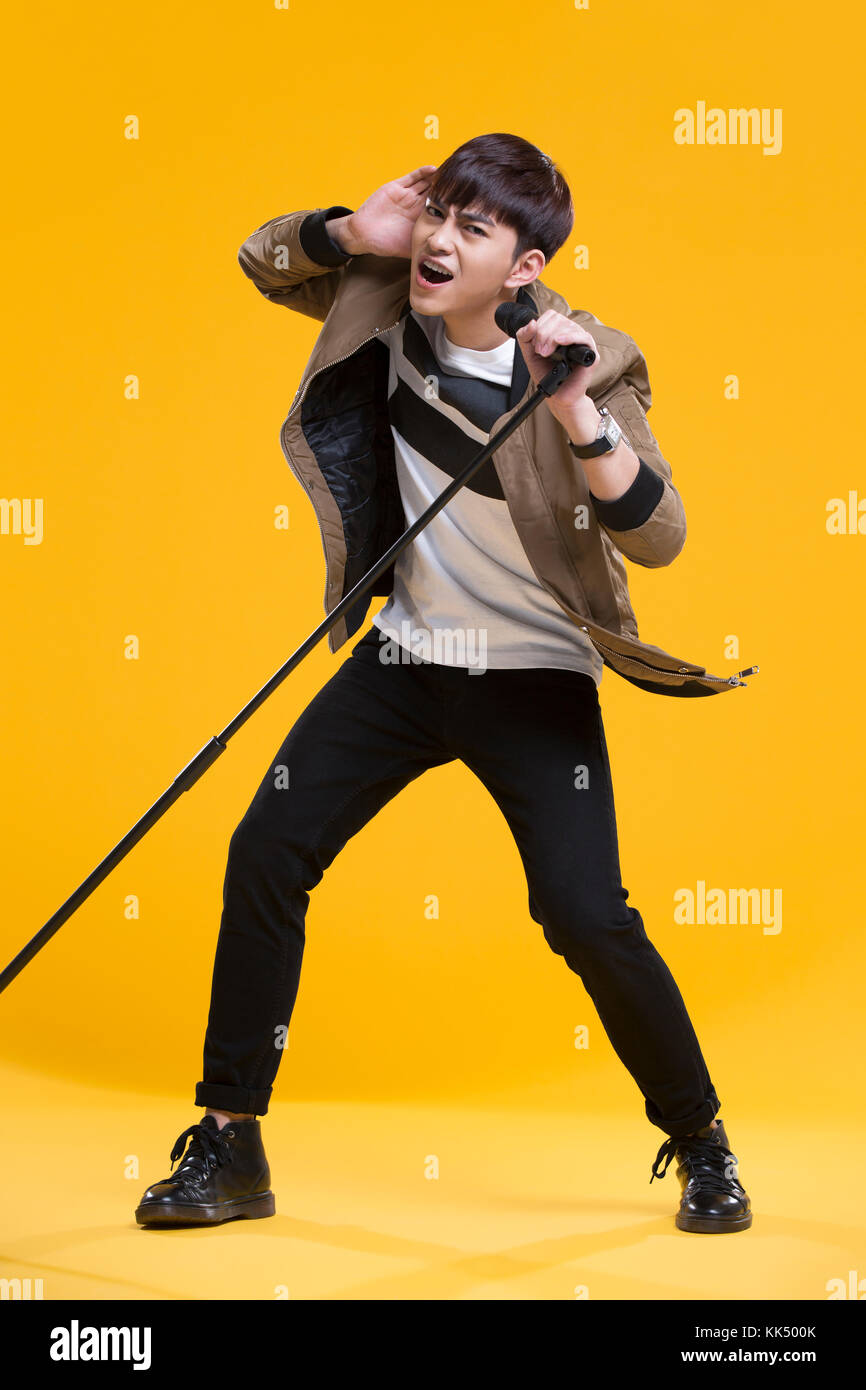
column 523, row 569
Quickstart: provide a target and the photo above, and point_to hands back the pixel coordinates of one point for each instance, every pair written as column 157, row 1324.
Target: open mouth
column 430, row 275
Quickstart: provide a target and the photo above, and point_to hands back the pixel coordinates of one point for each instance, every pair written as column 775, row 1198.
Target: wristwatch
column 607, row 438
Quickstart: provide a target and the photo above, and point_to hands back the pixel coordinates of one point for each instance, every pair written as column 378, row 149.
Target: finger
column 420, row 175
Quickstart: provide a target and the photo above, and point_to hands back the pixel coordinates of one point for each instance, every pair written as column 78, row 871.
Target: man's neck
column 478, row 331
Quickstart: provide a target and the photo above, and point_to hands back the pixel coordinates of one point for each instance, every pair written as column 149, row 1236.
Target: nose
column 441, row 236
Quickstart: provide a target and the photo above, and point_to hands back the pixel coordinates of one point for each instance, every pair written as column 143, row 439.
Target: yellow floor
column 529, row 1204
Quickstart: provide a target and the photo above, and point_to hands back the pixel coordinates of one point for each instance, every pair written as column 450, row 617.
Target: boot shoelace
column 707, row 1161
column 207, row 1147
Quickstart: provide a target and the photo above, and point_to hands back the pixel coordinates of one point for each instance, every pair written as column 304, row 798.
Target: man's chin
column 429, row 301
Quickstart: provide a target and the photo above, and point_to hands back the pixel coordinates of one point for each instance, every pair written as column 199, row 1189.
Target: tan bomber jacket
column 337, row 441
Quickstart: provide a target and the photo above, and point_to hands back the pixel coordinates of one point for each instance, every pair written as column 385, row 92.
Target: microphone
column 510, row 317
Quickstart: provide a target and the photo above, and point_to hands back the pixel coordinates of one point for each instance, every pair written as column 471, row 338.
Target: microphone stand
column 563, row 359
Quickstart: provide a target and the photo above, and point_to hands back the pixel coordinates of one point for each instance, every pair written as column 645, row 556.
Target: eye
column 471, row 226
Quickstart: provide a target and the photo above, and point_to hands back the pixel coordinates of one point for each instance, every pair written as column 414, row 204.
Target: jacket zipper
column 299, row 396
column 681, row 670
column 336, row 360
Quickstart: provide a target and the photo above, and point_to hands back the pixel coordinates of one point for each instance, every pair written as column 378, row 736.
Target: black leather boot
column 224, row 1174
column 712, row 1199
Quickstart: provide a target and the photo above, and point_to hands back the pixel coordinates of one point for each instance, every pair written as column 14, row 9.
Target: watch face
column 612, row 432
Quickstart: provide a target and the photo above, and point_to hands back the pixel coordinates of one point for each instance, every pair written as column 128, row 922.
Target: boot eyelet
column 230, row 1133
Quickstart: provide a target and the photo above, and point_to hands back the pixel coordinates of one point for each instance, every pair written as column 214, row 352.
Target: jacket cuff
column 636, row 505
column 314, row 239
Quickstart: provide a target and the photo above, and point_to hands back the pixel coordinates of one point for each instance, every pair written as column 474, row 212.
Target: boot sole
column 707, row 1226
column 186, row 1214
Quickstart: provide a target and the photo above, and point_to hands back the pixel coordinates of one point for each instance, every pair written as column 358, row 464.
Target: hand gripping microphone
column 510, row 317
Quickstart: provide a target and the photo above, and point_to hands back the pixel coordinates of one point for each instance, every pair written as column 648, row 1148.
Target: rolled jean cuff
column 699, row 1119
column 236, row 1100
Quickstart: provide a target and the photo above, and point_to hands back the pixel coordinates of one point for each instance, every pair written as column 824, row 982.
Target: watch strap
column 591, row 451
column 601, row 444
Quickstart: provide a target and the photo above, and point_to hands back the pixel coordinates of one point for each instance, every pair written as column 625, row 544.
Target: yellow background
column 119, row 257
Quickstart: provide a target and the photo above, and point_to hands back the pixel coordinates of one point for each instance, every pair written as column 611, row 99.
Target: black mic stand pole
column 564, row 359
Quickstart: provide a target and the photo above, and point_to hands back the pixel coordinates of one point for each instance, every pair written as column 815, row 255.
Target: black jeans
column 370, row 730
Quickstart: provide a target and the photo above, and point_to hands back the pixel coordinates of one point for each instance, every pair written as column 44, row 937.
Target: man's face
column 479, row 253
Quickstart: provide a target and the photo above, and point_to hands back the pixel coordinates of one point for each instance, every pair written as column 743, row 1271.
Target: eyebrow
column 466, row 216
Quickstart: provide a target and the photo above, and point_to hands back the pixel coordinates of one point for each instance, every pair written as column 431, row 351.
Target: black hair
column 513, row 181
